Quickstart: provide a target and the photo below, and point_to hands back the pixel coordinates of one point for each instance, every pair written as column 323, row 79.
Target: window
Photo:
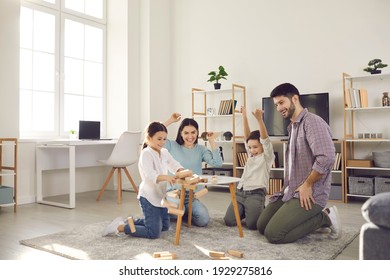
column 62, row 65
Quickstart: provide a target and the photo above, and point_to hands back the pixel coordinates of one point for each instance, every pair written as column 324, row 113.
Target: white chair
column 125, row 153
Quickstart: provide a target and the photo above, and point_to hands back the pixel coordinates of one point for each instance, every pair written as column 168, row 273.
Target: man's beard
column 290, row 111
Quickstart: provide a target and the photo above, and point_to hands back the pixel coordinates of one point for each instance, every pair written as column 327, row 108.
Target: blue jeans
column 200, row 214
column 156, row 220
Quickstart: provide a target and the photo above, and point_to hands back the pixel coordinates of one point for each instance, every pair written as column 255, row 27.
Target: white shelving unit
column 359, row 122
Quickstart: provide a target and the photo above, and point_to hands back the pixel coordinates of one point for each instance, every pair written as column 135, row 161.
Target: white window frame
column 61, row 15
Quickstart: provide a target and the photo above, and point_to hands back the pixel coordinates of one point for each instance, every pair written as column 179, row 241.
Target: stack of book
column 356, row 98
column 226, row 107
column 337, row 162
column 242, row 158
column 275, row 185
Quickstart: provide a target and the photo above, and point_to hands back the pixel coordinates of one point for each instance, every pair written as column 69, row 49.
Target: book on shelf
column 356, row 98
column 275, row 185
column 337, row 162
column 363, row 97
column 242, row 158
column 227, row 107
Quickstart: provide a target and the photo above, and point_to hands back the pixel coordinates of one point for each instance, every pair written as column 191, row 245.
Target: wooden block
column 173, row 194
column 236, row 253
column 216, row 254
column 193, row 180
column 201, row 193
column 131, row 224
column 203, row 180
column 360, row 163
column 165, row 255
column 184, row 173
column 175, row 211
column 158, row 254
column 168, row 204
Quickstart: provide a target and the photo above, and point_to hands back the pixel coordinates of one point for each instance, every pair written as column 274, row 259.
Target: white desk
column 69, row 154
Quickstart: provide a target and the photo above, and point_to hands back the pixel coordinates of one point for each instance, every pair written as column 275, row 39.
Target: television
column 317, row 103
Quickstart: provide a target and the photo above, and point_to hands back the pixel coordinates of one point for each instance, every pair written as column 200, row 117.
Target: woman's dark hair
column 152, row 129
column 285, row 89
column 184, row 123
column 254, row 135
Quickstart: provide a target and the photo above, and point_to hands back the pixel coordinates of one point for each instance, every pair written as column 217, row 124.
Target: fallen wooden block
column 201, row 193
column 165, row 255
column 130, row 221
column 184, row 173
column 216, row 254
column 236, row 253
column 158, row 254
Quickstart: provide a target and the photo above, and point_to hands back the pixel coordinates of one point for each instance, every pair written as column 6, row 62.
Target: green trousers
column 285, row 222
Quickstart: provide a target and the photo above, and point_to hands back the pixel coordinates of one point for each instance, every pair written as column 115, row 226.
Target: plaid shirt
column 311, row 149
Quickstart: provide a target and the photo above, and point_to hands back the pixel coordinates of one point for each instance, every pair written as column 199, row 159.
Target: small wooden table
column 222, row 181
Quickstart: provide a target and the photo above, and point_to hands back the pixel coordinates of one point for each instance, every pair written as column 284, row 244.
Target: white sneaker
column 334, row 217
column 112, row 228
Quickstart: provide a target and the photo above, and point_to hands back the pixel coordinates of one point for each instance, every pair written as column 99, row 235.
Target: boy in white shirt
column 253, row 187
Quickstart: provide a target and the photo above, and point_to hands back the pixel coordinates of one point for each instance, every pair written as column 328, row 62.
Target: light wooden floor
column 32, row 220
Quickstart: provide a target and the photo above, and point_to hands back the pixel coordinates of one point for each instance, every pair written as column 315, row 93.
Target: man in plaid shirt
column 299, row 208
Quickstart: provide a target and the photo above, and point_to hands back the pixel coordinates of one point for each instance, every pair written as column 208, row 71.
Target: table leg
column 179, row 217
column 232, row 189
column 191, row 197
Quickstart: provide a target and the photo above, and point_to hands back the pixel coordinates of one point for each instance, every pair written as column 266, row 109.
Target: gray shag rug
column 86, row 243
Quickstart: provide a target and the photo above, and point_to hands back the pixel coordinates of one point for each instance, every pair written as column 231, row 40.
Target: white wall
column 265, row 43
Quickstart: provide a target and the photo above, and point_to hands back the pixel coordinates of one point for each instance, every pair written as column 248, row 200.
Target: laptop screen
column 89, row 130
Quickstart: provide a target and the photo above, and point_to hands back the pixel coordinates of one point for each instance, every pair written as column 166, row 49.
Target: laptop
column 89, row 130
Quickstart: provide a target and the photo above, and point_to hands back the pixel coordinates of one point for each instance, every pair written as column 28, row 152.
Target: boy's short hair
column 254, row 135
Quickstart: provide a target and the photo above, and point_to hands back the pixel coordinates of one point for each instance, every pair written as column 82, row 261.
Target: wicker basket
column 382, row 184
column 361, row 185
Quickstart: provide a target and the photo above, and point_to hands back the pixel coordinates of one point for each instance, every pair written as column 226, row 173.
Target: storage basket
column 382, row 184
column 6, row 195
column 381, row 159
column 223, row 171
column 208, row 171
column 363, row 185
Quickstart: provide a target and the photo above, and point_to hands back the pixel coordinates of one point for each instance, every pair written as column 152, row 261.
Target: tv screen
column 317, row 103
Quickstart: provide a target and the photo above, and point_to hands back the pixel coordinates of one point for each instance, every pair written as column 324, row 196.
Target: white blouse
column 152, row 164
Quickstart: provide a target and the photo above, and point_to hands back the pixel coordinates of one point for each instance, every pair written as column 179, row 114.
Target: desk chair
column 125, row 153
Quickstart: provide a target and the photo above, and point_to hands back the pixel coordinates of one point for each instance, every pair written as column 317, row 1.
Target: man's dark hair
column 254, row 135
column 285, row 89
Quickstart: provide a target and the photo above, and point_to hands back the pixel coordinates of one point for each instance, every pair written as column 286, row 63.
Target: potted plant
column 215, row 76
column 72, row 134
column 374, row 65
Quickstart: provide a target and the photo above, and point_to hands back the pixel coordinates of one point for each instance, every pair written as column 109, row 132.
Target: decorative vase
column 385, row 99
column 217, row 86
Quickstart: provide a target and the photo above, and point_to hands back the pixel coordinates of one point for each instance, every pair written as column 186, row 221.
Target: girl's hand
column 171, row 179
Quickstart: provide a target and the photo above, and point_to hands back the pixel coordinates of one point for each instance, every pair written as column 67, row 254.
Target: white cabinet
column 366, row 130
column 8, row 172
column 219, row 111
